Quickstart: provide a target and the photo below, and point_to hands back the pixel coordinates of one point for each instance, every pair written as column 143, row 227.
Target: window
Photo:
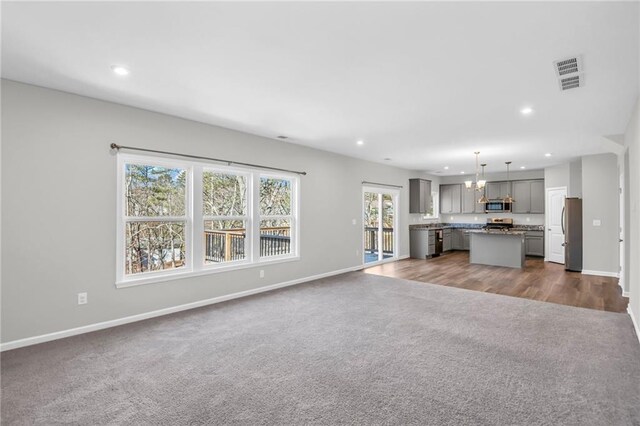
column 224, row 210
column 188, row 218
column 276, row 220
column 432, row 213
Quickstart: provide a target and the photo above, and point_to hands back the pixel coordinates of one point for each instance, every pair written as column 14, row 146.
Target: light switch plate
column 596, row 222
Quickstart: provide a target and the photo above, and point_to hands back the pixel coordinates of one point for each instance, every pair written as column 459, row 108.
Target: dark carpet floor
column 351, row 349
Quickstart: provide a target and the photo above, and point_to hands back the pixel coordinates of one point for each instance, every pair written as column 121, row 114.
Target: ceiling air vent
column 569, row 72
column 572, row 82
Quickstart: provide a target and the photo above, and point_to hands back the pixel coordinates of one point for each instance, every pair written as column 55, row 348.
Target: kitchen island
column 497, row 248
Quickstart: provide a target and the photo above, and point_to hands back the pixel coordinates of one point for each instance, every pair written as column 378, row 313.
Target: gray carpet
column 352, row 349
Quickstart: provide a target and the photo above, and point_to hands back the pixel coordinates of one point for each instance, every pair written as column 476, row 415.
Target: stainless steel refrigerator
column 572, row 230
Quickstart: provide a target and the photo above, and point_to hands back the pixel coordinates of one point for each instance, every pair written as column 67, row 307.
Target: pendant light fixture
column 478, row 185
column 508, row 198
column 483, row 199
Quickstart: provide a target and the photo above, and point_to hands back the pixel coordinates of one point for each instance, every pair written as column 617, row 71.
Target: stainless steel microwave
column 497, row 206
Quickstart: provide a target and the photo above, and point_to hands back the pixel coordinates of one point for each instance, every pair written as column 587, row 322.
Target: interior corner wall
column 575, row 179
column 632, row 233
column 600, row 204
column 59, row 209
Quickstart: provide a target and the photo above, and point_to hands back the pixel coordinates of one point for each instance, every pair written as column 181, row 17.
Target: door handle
column 620, row 240
column 565, row 244
column 562, row 220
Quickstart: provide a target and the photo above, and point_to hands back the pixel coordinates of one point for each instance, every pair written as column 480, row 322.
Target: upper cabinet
column 497, row 190
column 470, row 199
column 528, row 196
column 451, row 198
column 419, row 196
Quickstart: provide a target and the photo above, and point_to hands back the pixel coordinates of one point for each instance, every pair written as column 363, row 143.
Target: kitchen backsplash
column 480, row 218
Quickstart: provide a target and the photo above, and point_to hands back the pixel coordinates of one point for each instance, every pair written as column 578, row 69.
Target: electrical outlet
column 261, row 273
column 528, row 219
column 596, row 222
column 82, row 298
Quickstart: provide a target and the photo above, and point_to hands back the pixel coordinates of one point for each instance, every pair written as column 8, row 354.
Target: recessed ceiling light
column 360, row 142
column 526, row 111
column 461, row 173
column 446, row 167
column 522, row 167
column 119, row 69
column 548, row 154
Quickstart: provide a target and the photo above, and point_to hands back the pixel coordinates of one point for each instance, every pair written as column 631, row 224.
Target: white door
column 555, row 231
column 621, row 228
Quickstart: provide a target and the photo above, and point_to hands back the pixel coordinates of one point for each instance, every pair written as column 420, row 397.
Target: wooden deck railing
column 371, row 239
column 228, row 244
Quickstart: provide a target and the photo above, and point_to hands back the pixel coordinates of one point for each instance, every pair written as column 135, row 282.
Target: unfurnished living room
column 286, row 213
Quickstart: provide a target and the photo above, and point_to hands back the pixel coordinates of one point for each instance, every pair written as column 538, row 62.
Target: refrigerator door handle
column 562, row 220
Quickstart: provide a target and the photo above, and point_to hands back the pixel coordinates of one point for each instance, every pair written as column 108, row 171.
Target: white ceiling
column 425, row 84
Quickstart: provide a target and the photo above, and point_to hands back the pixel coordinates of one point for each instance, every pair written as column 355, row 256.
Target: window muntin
column 165, row 232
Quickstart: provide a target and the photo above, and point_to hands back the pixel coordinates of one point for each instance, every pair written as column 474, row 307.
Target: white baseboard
column 625, row 293
column 406, row 256
column 635, row 323
column 600, row 273
column 165, row 311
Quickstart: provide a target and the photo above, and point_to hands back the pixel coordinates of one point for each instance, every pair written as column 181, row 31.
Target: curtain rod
column 381, row 184
column 198, row 157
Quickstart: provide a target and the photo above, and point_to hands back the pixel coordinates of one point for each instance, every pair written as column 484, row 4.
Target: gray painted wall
column 558, row 176
column 575, row 179
column 600, row 202
column 59, row 214
column 632, row 233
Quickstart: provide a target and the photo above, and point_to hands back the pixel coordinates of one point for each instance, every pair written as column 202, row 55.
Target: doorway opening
column 380, row 225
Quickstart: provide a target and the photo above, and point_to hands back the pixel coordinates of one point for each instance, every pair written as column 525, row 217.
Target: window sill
column 206, row 270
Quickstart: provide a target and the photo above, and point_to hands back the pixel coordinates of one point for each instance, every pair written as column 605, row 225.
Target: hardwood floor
column 539, row 280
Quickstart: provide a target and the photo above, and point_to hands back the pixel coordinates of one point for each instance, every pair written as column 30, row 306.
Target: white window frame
column 194, row 226
column 293, row 223
column 435, row 202
column 198, row 207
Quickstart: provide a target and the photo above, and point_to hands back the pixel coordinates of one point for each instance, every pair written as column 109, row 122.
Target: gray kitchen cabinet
column 534, row 243
column 522, row 195
column 470, row 199
column 459, row 239
column 456, row 239
column 419, row 243
column 529, row 196
column 450, row 198
column 432, row 242
column 497, row 190
column 446, row 240
column 537, row 196
column 419, row 196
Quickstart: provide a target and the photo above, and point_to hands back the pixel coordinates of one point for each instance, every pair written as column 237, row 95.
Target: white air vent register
column 569, row 72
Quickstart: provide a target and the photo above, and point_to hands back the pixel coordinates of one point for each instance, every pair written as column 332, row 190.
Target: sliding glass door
column 379, row 213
